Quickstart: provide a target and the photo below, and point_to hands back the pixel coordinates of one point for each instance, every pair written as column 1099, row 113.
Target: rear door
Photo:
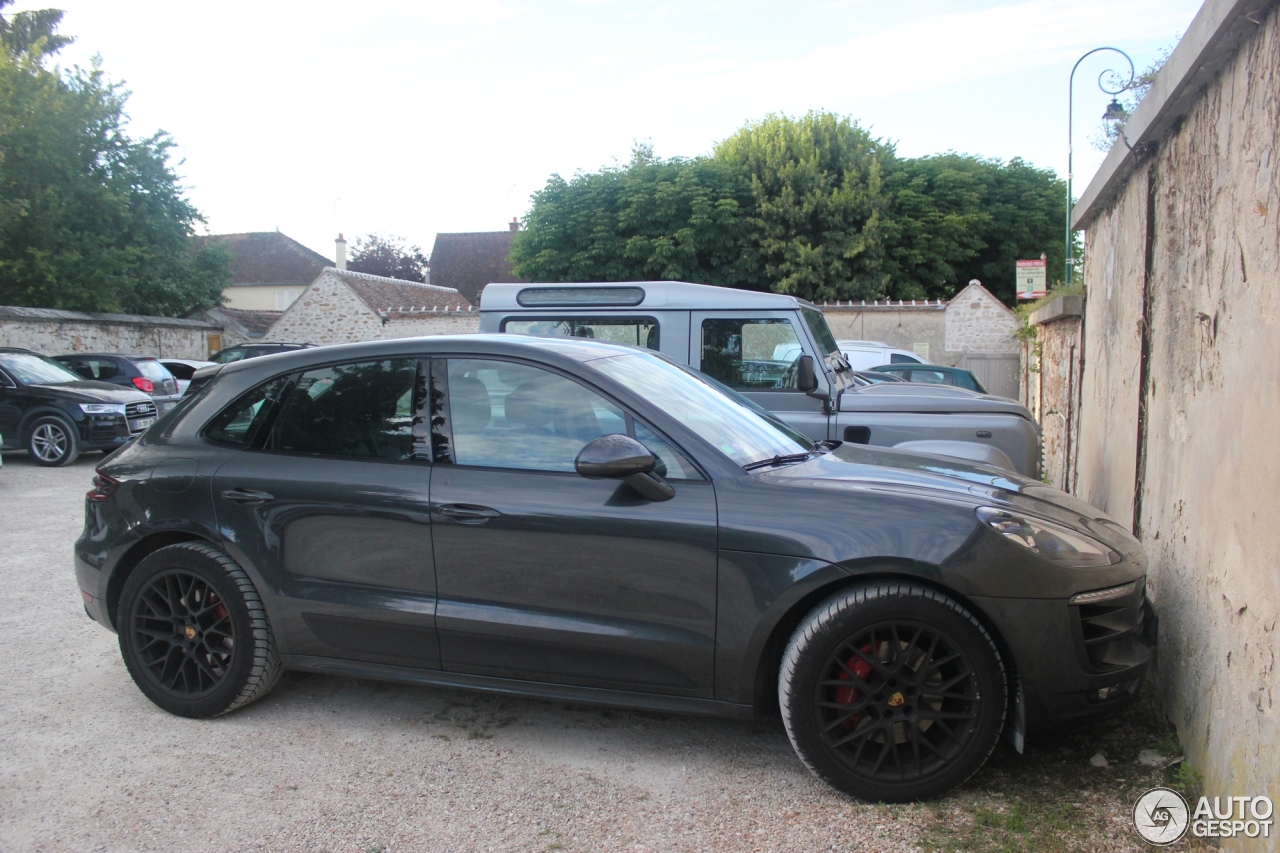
column 330, row 501
column 756, row 353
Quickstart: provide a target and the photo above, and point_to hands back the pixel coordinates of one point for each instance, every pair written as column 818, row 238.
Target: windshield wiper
column 779, row 460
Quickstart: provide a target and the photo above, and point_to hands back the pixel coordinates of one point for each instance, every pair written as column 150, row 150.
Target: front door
column 545, row 575
column 331, row 505
column 756, row 354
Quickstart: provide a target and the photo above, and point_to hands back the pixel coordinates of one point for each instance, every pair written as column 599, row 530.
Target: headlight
column 102, row 408
column 1048, row 539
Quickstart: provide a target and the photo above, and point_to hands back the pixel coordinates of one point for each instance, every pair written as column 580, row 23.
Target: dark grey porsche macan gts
column 592, row 522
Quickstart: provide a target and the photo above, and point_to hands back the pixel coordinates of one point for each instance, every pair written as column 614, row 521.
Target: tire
column 53, row 442
column 892, row 692
column 204, row 663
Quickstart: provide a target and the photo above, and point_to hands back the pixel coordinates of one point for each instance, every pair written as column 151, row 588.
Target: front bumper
column 1075, row 663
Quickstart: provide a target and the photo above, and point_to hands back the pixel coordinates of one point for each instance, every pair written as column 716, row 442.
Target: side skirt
column 515, row 687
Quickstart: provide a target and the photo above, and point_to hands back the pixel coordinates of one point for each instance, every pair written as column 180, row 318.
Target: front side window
column 930, row 377
column 751, row 354
column 637, row 331
column 362, row 410
column 820, row 330
column 502, row 414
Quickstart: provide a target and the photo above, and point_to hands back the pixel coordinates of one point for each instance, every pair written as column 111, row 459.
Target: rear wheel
column 892, row 692
column 52, row 442
column 194, row 634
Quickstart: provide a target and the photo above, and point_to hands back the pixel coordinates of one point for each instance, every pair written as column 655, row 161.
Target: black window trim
column 443, row 359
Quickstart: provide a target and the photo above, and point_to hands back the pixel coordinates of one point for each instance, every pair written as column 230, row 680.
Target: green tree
column 816, row 228
column 90, row 219
column 651, row 219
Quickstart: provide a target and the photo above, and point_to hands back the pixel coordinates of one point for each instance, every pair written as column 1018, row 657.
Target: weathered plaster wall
column 327, row 313
column 1207, row 486
column 1115, row 247
column 1057, row 396
column 54, row 337
column 898, row 326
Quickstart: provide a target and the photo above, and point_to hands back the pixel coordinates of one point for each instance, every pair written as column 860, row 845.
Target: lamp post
column 1115, row 112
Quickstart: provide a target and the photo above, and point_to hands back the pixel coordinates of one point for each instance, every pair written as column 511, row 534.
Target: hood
column 865, row 467
column 90, row 391
column 921, row 398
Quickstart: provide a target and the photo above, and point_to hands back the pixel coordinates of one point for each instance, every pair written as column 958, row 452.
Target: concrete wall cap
column 1070, row 305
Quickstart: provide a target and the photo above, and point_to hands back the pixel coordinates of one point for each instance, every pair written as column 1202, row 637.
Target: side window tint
column 751, row 354
column 637, row 331
column 240, row 423
column 363, row 410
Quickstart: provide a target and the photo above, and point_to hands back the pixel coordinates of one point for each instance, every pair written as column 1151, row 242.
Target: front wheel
column 194, row 634
column 892, row 692
column 52, row 442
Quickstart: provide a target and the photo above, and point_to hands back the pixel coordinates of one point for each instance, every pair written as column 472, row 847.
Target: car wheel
column 892, row 692
column 194, row 633
column 52, row 442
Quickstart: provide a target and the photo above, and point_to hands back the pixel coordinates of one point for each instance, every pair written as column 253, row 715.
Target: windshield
column 32, row 369
column 820, row 330
column 738, row 428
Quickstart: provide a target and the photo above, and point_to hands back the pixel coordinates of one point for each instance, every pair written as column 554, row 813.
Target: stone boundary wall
column 1051, row 385
column 54, row 332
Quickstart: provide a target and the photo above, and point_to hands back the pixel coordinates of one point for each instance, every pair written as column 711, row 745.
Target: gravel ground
column 87, row 763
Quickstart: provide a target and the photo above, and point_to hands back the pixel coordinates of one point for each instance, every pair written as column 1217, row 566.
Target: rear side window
column 898, row 358
column 153, row 370
column 637, row 331
column 362, row 410
column 241, row 422
column 95, row 368
column 229, row 355
column 751, row 354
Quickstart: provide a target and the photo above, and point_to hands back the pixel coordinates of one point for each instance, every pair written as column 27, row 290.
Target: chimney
column 340, row 252
column 515, row 224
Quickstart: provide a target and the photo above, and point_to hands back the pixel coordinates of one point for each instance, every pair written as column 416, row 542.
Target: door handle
column 469, row 513
column 247, row 496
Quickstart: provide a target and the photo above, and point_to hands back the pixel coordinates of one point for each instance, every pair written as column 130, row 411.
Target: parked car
column 226, row 355
column 605, row 525
column 142, row 372
column 864, row 355
column 778, row 352
column 55, row 415
column 182, row 368
column 934, row 374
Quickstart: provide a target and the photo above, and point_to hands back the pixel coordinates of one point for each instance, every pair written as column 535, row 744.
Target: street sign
column 1032, row 278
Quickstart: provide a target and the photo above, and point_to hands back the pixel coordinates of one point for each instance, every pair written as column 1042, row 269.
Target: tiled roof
column 251, row 324
column 269, row 257
column 394, row 298
column 15, row 312
column 467, row 261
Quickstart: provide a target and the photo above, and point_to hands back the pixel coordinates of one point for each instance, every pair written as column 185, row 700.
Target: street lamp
column 1115, row 112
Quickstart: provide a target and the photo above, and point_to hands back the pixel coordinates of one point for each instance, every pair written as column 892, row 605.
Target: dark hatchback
column 143, row 372
column 55, row 415
column 593, row 522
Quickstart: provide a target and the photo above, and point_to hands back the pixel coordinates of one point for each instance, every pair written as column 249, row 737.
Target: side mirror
column 620, row 457
column 806, row 379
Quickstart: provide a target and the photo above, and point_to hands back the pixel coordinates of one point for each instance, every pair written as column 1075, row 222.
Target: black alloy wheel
column 892, row 692
column 52, row 442
column 193, row 632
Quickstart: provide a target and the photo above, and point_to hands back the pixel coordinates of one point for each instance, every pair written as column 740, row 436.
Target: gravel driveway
column 343, row 765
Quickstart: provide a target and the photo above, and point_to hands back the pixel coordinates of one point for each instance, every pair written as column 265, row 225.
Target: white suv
column 864, row 355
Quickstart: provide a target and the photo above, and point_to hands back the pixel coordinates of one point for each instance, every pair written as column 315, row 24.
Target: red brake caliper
column 849, row 695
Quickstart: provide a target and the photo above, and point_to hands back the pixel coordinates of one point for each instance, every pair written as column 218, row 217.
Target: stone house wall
column 1181, row 390
column 978, row 322
column 327, row 312
column 55, row 332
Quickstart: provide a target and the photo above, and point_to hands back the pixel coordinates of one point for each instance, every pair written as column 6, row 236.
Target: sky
column 411, row 117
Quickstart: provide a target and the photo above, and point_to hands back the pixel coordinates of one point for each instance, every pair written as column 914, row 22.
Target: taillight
column 144, row 384
column 103, row 487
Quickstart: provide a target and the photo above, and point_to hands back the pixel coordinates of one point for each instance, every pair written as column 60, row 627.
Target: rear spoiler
column 203, row 375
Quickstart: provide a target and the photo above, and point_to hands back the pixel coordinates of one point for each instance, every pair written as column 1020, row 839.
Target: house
column 268, row 269
column 343, row 306
column 467, row 261
column 238, row 324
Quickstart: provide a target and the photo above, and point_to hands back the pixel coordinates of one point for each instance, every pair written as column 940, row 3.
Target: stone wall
column 1181, row 401
column 327, row 313
column 1051, row 385
column 55, row 332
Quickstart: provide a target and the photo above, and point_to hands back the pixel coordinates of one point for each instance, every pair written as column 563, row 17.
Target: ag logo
column 1161, row 816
